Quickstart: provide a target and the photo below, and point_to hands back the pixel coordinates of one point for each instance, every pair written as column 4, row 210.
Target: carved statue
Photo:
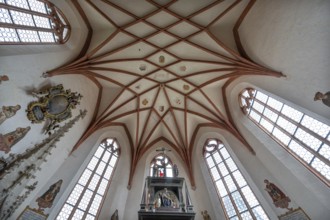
column 10, row 139
column 115, row 215
column 8, row 111
column 47, row 199
column 325, row 98
column 205, row 215
column 54, row 105
column 4, row 78
column 280, row 200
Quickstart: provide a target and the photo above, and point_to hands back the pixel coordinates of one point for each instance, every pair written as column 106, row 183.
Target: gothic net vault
column 167, row 71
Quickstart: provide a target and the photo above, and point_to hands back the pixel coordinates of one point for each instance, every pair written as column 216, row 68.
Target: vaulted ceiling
column 161, row 71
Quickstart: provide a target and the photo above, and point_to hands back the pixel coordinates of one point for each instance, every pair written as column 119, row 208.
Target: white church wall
column 291, row 37
column 249, row 165
column 302, row 186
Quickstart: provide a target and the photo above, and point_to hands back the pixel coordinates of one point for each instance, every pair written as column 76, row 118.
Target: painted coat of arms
column 54, row 104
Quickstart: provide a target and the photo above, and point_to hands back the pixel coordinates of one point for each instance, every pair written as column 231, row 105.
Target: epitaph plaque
column 296, row 214
column 32, row 214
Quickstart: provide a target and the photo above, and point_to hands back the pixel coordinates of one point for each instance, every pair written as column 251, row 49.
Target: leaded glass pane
column 255, row 116
column 100, row 168
column 239, row 202
column 281, row 136
column 262, row 97
column 246, row 216
column 270, row 115
column 301, row 151
column 223, row 169
column 308, row 139
column 292, row 113
column 46, row 37
column 217, row 157
column 249, row 196
column 228, row 206
column 321, row 167
column 37, row 6
column 215, row 173
column 210, row 162
column 257, row 106
column 113, row 161
column 85, row 177
column 230, row 184
column 65, row 212
column 259, row 213
column 18, row 3
column 239, row 178
column 325, row 151
column 22, row 18
column 78, row 215
column 8, row 35
column 315, row 126
column 224, row 153
column 266, row 124
column 231, row 164
column 221, row 188
column 28, row 35
column 286, row 125
column 94, row 181
column 85, row 200
column 275, row 104
column 4, row 16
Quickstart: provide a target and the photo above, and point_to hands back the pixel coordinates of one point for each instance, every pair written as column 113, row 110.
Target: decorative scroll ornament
column 280, row 200
column 47, row 199
column 10, row 139
column 8, row 111
column 54, row 104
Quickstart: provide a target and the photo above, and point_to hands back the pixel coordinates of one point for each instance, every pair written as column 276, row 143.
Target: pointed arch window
column 32, row 22
column 304, row 137
column 86, row 197
column 237, row 199
column 161, row 166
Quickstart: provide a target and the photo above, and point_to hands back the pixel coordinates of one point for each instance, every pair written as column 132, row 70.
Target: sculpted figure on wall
column 115, row 215
column 325, row 98
column 4, row 78
column 8, row 111
column 7, row 141
column 205, row 215
column 280, row 200
column 47, row 199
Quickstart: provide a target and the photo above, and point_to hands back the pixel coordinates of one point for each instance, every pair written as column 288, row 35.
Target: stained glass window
column 236, row 196
column 306, row 138
column 32, row 22
column 161, row 166
column 86, row 197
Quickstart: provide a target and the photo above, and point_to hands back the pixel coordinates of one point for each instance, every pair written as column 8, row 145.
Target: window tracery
column 161, row 166
column 86, row 197
column 237, row 198
column 32, row 22
column 304, row 137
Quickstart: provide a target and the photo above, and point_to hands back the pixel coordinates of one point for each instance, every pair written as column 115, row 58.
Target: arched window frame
column 304, row 137
column 161, row 162
column 236, row 196
column 32, row 22
column 88, row 194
